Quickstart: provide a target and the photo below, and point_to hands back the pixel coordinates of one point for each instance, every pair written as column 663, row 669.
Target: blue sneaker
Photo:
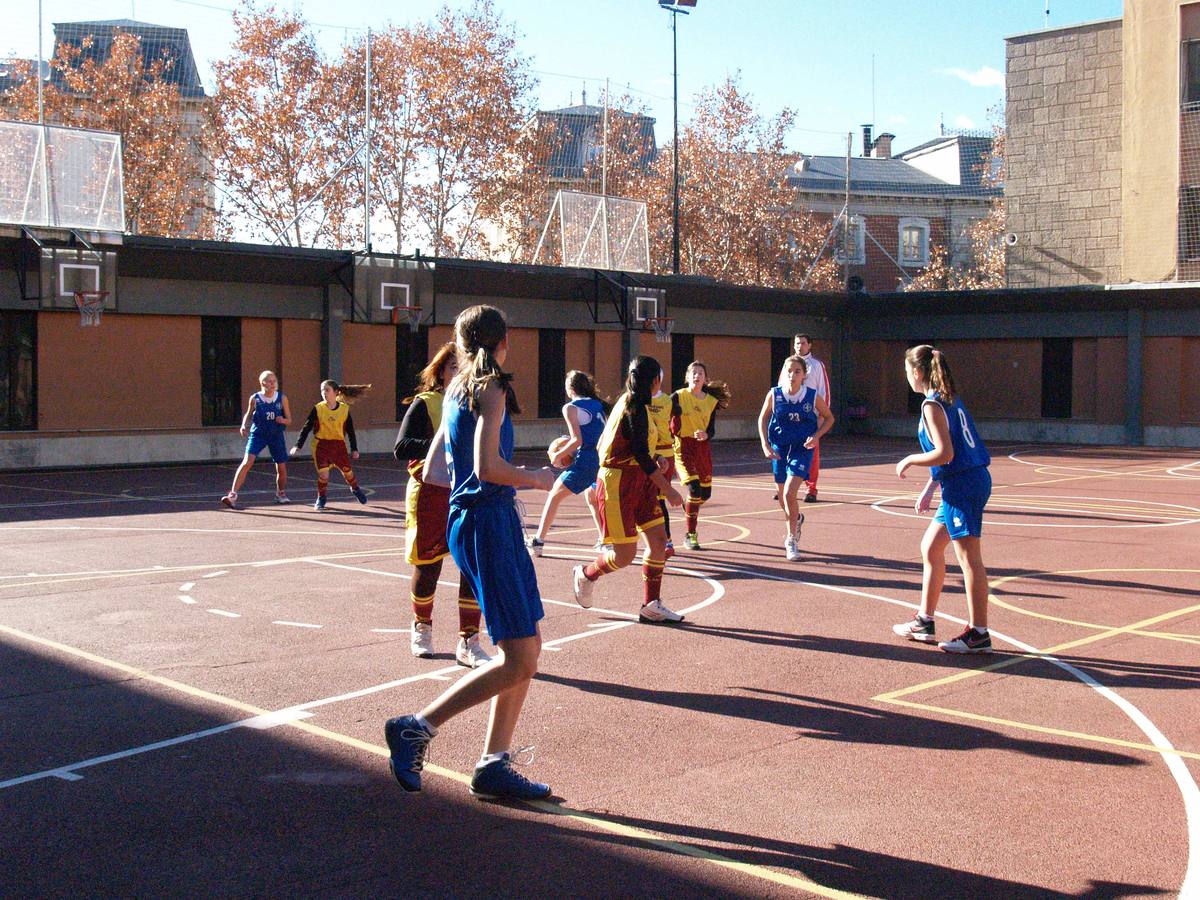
column 498, row 780
column 320, row 504
column 361, row 495
column 408, row 742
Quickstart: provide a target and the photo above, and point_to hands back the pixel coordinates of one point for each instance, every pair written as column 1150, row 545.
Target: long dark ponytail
column 479, row 331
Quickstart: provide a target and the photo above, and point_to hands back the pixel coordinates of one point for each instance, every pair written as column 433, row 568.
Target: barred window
column 1189, row 222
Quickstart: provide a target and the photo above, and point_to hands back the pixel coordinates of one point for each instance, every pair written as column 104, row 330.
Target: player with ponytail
column 693, row 423
column 332, row 425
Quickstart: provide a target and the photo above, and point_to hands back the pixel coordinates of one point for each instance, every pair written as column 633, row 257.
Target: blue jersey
column 591, row 431
column 792, row 422
column 969, row 450
column 466, row 488
column 265, row 414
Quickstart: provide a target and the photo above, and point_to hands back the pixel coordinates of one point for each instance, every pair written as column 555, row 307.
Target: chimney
column 867, row 145
column 882, row 148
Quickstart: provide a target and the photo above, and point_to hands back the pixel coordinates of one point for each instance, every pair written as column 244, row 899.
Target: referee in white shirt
column 818, row 380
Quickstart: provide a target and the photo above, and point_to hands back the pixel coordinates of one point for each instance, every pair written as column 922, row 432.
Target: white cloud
column 964, row 122
column 984, row 76
column 897, row 120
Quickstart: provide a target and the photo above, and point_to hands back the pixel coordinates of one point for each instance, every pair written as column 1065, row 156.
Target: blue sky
column 934, row 62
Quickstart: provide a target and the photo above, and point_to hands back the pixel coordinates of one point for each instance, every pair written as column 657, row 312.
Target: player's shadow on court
column 854, row 869
column 824, row 719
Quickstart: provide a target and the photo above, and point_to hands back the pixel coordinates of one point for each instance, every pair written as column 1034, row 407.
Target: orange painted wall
column 522, row 362
column 260, row 352
column 1171, row 381
column 369, row 357
column 610, row 378
column 742, row 363
column 302, row 375
column 141, row 371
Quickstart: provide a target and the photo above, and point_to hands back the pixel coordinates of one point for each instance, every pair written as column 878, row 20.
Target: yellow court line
column 1092, row 475
column 1042, row 729
column 760, row 872
column 1021, row 657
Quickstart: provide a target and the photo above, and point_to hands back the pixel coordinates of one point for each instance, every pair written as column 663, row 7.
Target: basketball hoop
column 412, row 312
column 91, row 305
column 661, row 326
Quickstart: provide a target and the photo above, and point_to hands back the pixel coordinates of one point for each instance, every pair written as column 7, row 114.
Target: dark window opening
column 683, row 353
column 1058, row 358
column 781, row 349
column 18, row 371
column 552, row 372
column 220, row 370
column 412, row 355
column 1191, row 74
column 1189, row 222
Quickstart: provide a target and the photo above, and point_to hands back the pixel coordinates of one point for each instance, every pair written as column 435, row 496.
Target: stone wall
column 1063, row 149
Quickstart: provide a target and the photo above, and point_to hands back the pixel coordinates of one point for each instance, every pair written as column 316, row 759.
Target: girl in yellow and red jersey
column 427, row 508
column 331, row 425
column 693, row 423
column 627, row 491
column 664, row 448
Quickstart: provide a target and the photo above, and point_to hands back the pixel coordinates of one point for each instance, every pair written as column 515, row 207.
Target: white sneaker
column 229, row 501
column 599, row 545
column 282, row 499
column 583, row 587
column 791, row 550
column 422, row 640
column 470, row 653
column 655, row 613
column 535, row 545
column 799, row 525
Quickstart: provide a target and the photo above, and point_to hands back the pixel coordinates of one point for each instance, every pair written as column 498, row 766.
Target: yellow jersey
column 695, row 413
column 331, row 423
column 616, row 443
column 660, row 414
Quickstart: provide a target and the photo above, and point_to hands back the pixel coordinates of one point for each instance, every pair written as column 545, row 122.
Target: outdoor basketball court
column 192, row 699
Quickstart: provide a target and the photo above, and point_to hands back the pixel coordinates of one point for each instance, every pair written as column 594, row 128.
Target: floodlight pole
column 41, row 110
column 675, row 13
column 367, row 155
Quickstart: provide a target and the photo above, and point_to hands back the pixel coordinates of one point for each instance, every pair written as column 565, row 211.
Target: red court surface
column 192, row 699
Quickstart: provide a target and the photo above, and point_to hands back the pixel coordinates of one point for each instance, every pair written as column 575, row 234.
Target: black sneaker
column 810, row 497
column 970, row 641
column 498, row 780
column 408, row 743
column 917, row 630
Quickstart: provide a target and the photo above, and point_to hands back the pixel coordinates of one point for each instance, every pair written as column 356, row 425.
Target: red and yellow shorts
column 695, row 461
column 328, row 453
column 628, row 503
column 427, row 507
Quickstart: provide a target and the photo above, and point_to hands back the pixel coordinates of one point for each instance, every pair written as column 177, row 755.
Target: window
column 781, row 349
column 220, row 370
column 552, row 372
column 1191, row 72
column 18, row 368
column 914, row 242
column 1058, row 365
column 683, row 353
column 856, row 242
column 412, row 355
column 1189, row 222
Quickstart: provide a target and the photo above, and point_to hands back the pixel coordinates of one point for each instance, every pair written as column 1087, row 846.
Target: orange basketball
column 555, row 449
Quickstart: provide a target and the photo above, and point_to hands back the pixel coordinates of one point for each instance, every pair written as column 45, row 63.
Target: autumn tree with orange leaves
column 270, row 138
column 162, row 165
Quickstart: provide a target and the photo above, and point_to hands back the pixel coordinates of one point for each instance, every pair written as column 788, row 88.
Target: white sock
column 924, row 618
column 982, row 629
column 489, row 758
column 425, row 724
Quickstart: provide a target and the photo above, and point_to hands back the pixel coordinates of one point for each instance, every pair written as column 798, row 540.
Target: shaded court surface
column 192, row 699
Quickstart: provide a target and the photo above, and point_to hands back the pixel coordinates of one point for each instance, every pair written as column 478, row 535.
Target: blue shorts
column 963, row 498
column 794, row 460
column 489, row 549
column 275, row 442
column 581, row 474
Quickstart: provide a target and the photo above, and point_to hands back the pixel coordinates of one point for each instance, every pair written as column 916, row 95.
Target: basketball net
column 662, row 327
column 413, row 314
column 91, row 305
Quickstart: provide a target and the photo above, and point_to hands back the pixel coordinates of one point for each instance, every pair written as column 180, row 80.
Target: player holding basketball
column 792, row 420
column 267, row 413
column 958, row 461
column 630, row 482
column 427, row 507
column 693, row 423
column 471, row 453
column 332, row 425
column 584, row 415
column 818, row 379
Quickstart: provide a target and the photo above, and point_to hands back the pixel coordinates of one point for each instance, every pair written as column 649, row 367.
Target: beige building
column 1103, row 149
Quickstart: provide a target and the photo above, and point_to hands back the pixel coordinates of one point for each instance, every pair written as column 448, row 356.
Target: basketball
column 555, row 449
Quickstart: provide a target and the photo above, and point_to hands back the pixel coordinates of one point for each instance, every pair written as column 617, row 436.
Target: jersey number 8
column 966, row 430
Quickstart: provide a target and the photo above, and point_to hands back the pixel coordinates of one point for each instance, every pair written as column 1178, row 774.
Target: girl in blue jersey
column 792, row 420
column 585, row 423
column 471, row 454
column 958, row 462
column 267, row 413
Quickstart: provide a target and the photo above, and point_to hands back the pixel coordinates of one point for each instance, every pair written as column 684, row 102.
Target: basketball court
column 193, row 699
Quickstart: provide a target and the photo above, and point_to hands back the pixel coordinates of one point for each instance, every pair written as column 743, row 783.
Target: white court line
column 391, row 630
column 226, row 613
column 1092, row 512
column 186, row 586
column 296, row 624
column 216, row 574
column 183, row 598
